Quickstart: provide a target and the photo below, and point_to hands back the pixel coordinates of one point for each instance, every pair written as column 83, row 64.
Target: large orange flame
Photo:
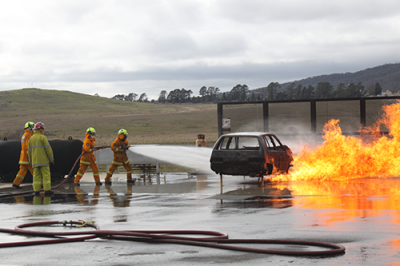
column 345, row 157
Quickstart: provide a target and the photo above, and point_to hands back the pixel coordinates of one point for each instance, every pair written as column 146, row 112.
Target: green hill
column 388, row 76
column 69, row 114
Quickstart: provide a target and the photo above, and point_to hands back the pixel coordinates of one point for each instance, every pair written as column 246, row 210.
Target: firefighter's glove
column 119, row 149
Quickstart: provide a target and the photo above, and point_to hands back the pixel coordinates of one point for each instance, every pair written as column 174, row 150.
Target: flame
column 342, row 157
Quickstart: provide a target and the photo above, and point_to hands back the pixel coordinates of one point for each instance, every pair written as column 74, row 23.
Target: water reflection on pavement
column 363, row 215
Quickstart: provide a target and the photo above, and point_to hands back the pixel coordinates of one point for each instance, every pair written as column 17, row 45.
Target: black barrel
column 10, row 151
column 65, row 154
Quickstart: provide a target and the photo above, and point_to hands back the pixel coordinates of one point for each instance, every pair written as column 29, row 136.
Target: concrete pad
column 362, row 215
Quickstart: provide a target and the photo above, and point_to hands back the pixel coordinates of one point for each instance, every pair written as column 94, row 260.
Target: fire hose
column 214, row 240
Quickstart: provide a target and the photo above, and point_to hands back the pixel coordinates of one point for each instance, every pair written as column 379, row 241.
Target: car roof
column 256, row 134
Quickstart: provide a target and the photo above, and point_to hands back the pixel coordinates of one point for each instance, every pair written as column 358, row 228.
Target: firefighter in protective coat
column 24, row 165
column 40, row 156
column 119, row 147
column 88, row 158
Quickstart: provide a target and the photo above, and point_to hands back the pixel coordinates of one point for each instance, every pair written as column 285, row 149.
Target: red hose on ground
column 215, row 239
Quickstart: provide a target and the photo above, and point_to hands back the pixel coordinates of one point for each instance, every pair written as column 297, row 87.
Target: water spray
column 192, row 157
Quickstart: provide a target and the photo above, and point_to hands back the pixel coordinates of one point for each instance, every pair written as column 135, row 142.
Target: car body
column 252, row 154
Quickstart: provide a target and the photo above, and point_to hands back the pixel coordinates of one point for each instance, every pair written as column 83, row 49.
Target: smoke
column 293, row 135
column 192, row 157
column 252, row 126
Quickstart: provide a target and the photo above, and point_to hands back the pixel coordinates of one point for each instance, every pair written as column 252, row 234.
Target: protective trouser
column 82, row 169
column 40, row 172
column 23, row 169
column 114, row 166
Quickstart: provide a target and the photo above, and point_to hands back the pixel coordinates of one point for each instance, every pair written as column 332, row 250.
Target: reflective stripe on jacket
column 40, row 152
column 23, row 158
column 87, row 149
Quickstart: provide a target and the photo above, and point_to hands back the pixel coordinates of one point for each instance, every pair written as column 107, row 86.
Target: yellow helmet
column 122, row 131
column 91, row 131
column 29, row 125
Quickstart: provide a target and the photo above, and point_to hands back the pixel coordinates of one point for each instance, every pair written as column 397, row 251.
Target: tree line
column 209, row 94
column 323, row 90
column 272, row 92
column 131, row 97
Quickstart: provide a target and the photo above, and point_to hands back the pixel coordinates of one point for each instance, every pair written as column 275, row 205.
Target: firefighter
column 88, row 158
column 24, row 165
column 40, row 156
column 119, row 147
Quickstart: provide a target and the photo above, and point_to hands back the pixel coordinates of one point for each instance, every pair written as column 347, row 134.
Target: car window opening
column 226, row 144
column 270, row 143
column 278, row 144
column 248, row 143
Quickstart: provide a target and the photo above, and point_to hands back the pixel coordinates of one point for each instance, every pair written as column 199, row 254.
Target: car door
column 273, row 153
column 284, row 158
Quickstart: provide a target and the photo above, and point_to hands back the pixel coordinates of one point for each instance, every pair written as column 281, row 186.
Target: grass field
column 69, row 114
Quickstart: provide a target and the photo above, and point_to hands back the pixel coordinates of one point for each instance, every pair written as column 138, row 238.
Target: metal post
column 220, row 113
column 266, row 116
column 221, row 184
column 313, row 109
column 362, row 113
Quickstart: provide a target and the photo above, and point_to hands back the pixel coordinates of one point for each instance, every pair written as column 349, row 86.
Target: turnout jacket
column 119, row 148
column 23, row 158
column 40, row 152
column 88, row 148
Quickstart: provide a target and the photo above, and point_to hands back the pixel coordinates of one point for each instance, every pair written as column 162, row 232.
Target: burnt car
column 253, row 154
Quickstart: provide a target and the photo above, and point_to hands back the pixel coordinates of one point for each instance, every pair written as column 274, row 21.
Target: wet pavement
column 362, row 215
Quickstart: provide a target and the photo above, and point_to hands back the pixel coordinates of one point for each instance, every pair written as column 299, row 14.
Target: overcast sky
column 118, row 47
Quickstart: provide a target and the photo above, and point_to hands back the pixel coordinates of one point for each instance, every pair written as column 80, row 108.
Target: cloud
column 148, row 46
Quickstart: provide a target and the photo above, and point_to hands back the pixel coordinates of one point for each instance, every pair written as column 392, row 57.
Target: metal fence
column 301, row 119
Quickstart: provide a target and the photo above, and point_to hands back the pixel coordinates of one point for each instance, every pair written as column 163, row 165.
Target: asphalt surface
column 362, row 215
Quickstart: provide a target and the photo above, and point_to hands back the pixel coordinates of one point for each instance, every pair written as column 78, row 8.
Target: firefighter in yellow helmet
column 119, row 147
column 88, row 158
column 24, row 165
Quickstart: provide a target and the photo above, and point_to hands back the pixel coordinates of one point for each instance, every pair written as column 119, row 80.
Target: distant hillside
column 388, row 76
column 68, row 113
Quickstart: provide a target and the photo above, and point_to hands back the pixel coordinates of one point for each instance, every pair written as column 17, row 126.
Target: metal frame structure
column 313, row 109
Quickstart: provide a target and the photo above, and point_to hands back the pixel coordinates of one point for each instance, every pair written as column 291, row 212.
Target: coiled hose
column 214, row 240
